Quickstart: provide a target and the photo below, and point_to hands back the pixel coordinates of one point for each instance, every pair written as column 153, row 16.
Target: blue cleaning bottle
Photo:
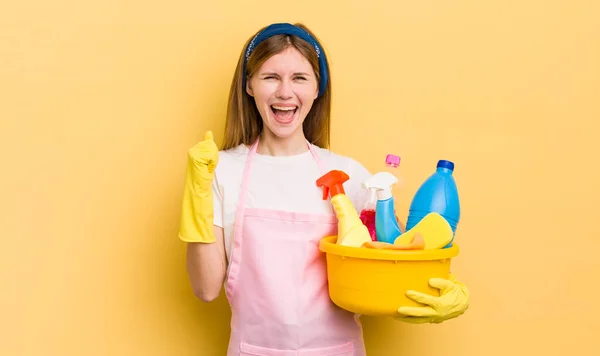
column 437, row 194
column 386, row 225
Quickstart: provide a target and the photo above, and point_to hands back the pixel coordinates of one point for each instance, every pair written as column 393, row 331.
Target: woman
column 253, row 215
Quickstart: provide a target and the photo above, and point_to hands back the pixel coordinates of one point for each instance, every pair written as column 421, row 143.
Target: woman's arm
column 206, row 266
column 206, row 261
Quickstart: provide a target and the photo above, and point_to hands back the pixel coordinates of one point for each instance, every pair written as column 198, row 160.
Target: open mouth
column 284, row 114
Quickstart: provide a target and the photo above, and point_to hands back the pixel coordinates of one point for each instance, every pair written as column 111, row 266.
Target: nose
column 285, row 90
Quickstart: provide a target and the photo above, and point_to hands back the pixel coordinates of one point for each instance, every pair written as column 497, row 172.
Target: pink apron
column 277, row 284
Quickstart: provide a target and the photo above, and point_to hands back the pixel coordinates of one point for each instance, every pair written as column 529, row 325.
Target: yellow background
column 100, row 101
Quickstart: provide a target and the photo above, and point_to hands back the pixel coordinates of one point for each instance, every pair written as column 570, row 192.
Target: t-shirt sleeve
column 217, row 202
column 357, row 193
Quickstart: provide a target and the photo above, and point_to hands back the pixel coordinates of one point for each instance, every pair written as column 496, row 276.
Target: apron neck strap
column 254, row 147
column 247, row 173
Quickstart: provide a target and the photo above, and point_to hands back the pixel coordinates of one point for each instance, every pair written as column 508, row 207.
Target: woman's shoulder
column 349, row 165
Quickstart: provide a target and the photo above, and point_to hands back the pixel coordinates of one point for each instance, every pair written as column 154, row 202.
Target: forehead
column 288, row 60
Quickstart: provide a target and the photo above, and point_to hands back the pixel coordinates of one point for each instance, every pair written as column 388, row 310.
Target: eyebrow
column 273, row 73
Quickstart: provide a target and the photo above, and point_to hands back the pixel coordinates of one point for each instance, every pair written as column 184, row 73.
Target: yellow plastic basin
column 374, row 281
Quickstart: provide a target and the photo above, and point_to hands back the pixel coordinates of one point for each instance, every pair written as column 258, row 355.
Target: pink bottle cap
column 392, row 160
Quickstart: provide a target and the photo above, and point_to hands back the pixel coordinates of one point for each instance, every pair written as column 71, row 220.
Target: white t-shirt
column 280, row 182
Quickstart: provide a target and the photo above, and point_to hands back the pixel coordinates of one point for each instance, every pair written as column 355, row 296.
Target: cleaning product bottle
column 392, row 162
column 386, row 225
column 351, row 231
column 367, row 214
column 438, row 194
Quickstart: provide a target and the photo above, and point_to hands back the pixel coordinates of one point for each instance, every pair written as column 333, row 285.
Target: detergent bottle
column 386, row 225
column 351, row 230
column 438, row 194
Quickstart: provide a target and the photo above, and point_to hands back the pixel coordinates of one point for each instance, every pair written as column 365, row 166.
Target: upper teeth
column 286, row 108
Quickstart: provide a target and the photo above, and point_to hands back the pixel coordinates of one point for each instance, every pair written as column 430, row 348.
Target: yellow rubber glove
column 197, row 209
column 452, row 302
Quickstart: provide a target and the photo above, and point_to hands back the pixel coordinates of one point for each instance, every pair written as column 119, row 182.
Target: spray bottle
column 367, row 214
column 351, row 231
column 392, row 162
column 386, row 225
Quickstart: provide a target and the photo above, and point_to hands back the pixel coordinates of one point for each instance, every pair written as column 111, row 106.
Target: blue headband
column 289, row 29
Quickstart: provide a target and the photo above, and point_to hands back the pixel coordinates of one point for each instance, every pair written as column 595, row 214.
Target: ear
column 249, row 87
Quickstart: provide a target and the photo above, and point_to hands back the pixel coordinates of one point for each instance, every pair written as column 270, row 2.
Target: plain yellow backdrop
column 101, row 100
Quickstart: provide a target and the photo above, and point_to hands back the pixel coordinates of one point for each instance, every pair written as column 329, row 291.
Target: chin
column 284, row 132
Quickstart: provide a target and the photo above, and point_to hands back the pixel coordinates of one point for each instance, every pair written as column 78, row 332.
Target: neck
column 272, row 145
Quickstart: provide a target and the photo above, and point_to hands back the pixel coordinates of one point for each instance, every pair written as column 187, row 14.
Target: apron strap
column 241, row 205
column 315, row 155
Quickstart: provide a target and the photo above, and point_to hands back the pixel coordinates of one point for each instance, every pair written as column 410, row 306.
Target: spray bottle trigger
column 332, row 183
